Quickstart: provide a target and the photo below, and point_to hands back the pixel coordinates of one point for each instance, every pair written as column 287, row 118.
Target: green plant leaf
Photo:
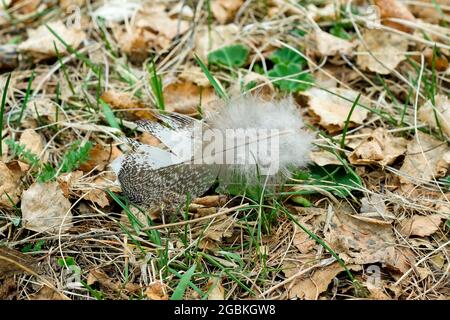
column 287, row 56
column 334, row 179
column 183, row 284
column 338, row 31
column 298, row 81
column 231, row 56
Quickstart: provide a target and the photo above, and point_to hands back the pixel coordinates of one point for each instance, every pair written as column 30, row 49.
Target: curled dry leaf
column 125, row 102
column 421, row 226
column 221, row 228
column 211, row 201
column 379, row 148
column 41, row 42
column 10, row 184
column 224, row 10
column 47, row 293
column 332, row 110
column 426, row 158
column 329, row 45
column 45, row 209
column 360, row 240
column 394, row 9
column 428, row 113
column 193, row 97
column 309, row 288
column 382, row 52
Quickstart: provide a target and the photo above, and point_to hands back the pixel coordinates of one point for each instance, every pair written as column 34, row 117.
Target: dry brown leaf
column 224, row 10
column 360, row 240
column 10, row 184
column 421, row 226
column 125, row 102
column 195, row 75
column 25, row 7
column 428, row 114
column 333, row 110
column 302, row 241
column 397, row 10
column 156, row 291
column 379, row 148
column 45, row 209
column 329, row 45
column 219, row 36
column 382, row 52
column 160, row 22
column 33, row 142
column 137, row 43
column 376, row 293
column 428, row 11
column 311, row 287
column 437, row 61
column 323, row 158
column 221, row 228
column 211, row 201
column 13, row 261
column 41, row 42
column 192, row 96
column 46, row 293
column 100, row 157
column 216, row 290
column 9, row 57
column 65, row 4
column 426, row 158
column 399, row 259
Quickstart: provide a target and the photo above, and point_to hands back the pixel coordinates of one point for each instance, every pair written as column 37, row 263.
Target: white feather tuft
column 252, row 112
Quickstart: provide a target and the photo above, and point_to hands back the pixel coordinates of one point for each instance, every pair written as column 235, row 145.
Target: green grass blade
column 2, row 110
column 109, row 115
column 185, row 281
column 216, row 85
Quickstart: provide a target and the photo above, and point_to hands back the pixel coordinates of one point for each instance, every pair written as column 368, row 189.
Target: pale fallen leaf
column 379, row 148
column 311, row 287
column 195, row 75
column 224, row 10
column 428, row 114
column 323, row 158
column 47, row 293
column 216, row 290
column 360, row 240
column 421, row 226
column 41, row 42
column 66, row 4
column 125, row 102
column 382, row 52
column 395, row 9
column 45, row 209
column 333, row 110
column 329, row 45
column 376, row 293
column 33, row 142
column 10, row 184
column 194, row 97
column 160, row 22
column 426, row 158
column 218, row 36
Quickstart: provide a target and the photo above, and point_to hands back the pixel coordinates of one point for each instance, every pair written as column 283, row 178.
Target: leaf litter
column 375, row 195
